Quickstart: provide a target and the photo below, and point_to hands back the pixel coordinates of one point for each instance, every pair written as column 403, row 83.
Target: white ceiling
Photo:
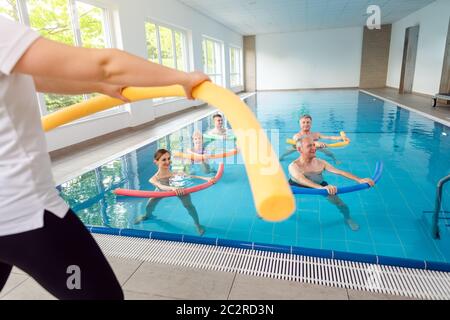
column 251, row 17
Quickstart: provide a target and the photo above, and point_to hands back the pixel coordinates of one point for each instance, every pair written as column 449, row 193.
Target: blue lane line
column 319, row 253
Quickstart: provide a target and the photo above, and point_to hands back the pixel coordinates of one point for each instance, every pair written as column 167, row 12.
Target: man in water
column 306, row 171
column 305, row 123
column 218, row 129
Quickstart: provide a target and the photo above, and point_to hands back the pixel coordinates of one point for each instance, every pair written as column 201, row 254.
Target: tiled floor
column 415, row 102
column 143, row 280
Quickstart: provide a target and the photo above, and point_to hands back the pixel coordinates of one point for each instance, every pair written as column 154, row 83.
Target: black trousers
column 62, row 257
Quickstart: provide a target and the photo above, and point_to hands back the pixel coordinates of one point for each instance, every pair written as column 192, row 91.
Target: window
column 71, row 22
column 212, row 60
column 166, row 46
column 9, row 9
column 51, row 18
column 92, row 23
column 235, row 66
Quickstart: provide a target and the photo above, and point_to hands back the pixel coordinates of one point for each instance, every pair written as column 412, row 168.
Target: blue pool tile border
column 318, row 253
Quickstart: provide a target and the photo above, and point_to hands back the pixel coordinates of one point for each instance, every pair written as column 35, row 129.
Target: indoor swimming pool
column 393, row 219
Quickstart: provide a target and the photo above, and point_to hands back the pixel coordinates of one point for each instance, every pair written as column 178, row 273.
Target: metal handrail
column 437, row 207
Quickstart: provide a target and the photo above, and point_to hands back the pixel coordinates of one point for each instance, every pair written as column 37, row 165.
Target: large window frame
column 184, row 51
column 239, row 61
column 184, row 48
column 17, row 12
column 218, row 74
column 110, row 42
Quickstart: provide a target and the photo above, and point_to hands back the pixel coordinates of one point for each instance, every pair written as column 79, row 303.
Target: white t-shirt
column 26, row 181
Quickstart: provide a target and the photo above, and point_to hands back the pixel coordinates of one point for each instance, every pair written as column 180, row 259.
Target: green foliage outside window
column 165, row 36
column 152, row 43
column 235, row 61
column 91, row 26
column 9, row 9
column 179, row 40
column 52, row 19
column 168, row 38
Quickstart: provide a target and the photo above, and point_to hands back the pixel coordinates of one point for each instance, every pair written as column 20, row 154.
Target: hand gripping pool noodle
column 342, row 143
column 340, row 190
column 163, row 194
column 271, row 192
column 345, row 141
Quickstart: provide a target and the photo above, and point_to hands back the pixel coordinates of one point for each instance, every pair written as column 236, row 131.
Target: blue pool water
column 393, row 218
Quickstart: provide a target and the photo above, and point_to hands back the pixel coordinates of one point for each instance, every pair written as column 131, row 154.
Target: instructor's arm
column 54, row 60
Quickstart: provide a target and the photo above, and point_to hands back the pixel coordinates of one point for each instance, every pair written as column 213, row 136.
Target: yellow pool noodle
column 272, row 194
column 343, row 143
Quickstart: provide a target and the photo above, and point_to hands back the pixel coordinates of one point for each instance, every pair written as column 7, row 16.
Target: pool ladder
column 437, row 207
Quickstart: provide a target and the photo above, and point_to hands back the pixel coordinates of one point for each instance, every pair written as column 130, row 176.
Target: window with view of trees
column 212, row 60
column 9, row 9
column 71, row 22
column 166, row 46
column 235, row 66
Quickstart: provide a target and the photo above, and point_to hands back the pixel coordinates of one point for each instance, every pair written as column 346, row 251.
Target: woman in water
column 198, row 150
column 163, row 181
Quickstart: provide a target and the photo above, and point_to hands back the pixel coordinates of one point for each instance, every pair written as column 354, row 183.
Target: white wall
column 314, row 59
column 433, row 21
column 129, row 18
